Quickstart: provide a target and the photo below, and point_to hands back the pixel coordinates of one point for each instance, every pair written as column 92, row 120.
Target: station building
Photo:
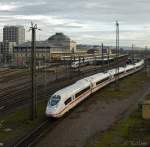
column 54, row 48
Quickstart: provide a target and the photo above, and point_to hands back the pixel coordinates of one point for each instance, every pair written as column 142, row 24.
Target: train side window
column 101, row 81
column 82, row 91
column 119, row 73
column 68, row 101
column 129, row 70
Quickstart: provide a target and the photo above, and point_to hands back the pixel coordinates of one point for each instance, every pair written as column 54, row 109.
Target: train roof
column 121, row 69
column 135, row 65
column 72, row 89
column 105, row 59
column 139, row 63
column 129, row 67
column 97, row 77
column 112, row 71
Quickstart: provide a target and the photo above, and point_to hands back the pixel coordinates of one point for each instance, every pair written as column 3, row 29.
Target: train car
column 67, row 98
column 76, row 64
column 98, row 80
column 83, row 62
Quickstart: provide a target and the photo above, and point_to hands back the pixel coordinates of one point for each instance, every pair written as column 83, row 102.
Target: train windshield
column 54, row 100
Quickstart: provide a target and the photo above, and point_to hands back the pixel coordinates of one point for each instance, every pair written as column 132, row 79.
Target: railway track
column 33, row 136
column 12, row 97
column 8, row 77
column 24, row 98
column 11, row 93
column 47, row 125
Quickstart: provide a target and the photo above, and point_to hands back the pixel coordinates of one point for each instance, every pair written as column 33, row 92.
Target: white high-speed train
column 86, row 61
column 68, row 97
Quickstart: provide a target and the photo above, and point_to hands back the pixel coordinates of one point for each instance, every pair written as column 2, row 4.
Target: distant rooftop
column 40, row 44
column 59, row 36
column 9, row 26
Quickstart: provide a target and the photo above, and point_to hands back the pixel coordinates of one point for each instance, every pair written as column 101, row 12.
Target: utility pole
column 108, row 58
column 146, row 59
column 117, row 57
column 145, row 56
column 102, row 46
column 132, row 53
column 33, row 28
column 79, row 64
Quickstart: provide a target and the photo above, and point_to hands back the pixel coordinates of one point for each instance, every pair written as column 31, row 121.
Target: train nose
column 51, row 111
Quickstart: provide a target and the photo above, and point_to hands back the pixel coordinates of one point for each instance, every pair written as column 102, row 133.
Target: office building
column 14, row 34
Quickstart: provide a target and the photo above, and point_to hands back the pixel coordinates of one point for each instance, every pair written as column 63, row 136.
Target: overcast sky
column 85, row 21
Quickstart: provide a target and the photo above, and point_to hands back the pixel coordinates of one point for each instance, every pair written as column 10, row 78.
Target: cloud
column 86, row 21
column 8, row 7
column 13, row 6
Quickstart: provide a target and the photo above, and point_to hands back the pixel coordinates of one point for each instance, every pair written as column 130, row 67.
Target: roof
column 139, row 63
column 14, row 26
column 129, row 67
column 97, row 77
column 59, row 36
column 38, row 44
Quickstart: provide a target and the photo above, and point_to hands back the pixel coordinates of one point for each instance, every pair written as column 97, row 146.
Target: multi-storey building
column 14, row 34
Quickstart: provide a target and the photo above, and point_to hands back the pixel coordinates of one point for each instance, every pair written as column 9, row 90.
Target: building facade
column 22, row 53
column 53, row 48
column 14, row 34
column 6, row 51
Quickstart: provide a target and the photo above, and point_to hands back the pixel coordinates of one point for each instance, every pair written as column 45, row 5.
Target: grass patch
column 128, row 86
column 17, row 124
column 129, row 132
